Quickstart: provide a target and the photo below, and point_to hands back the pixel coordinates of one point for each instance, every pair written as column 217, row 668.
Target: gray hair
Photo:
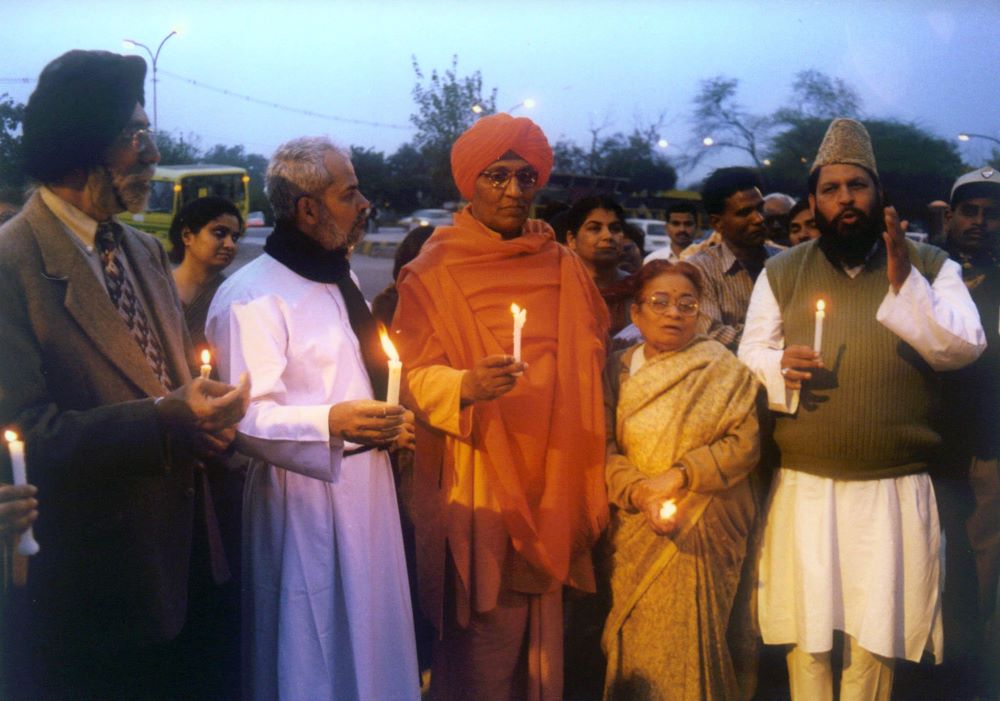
column 297, row 169
column 781, row 197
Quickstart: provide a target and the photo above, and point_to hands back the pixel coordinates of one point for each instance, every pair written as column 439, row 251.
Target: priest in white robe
column 326, row 602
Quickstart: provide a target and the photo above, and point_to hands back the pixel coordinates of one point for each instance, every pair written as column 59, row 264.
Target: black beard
column 849, row 244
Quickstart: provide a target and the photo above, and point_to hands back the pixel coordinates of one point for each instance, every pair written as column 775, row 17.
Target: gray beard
column 118, row 193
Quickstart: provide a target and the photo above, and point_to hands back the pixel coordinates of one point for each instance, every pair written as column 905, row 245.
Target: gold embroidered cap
column 846, row 141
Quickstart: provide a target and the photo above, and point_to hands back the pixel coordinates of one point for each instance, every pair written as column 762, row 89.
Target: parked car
column 656, row 233
column 427, row 217
column 255, row 219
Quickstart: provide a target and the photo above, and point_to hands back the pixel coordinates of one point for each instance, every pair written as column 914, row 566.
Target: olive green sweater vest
column 866, row 415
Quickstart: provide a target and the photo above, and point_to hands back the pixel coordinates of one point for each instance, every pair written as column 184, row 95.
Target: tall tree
column 11, row 167
column 719, row 116
column 816, row 95
column 177, row 150
column 445, row 103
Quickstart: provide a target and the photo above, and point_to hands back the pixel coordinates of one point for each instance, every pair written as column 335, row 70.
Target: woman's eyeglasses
column 660, row 305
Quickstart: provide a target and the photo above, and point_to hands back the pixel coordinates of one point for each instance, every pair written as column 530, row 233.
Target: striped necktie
column 125, row 300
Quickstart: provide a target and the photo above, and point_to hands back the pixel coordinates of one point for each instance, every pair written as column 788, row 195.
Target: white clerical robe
column 326, row 601
column 860, row 556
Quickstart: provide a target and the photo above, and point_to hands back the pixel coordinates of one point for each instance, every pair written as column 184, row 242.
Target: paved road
column 374, row 272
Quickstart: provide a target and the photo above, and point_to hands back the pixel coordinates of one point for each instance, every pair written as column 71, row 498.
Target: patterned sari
column 680, row 624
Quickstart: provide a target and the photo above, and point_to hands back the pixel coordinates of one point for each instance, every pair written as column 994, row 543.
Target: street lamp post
column 153, row 57
column 527, row 103
column 965, row 136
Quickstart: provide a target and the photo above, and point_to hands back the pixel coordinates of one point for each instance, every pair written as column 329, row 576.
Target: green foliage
column 633, row 156
column 11, row 169
column 444, row 111
column 177, row 150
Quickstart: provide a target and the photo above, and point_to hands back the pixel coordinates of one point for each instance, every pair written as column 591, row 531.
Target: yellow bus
column 175, row 186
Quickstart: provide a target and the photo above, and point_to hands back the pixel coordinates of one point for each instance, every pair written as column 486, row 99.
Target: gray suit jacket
column 116, row 493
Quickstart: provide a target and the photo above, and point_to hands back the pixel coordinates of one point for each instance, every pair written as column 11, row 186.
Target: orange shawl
column 525, row 470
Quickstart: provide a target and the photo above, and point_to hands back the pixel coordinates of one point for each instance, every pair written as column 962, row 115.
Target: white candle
column 668, row 509
column 818, row 335
column 395, row 368
column 392, row 392
column 520, row 316
column 206, row 364
column 27, row 544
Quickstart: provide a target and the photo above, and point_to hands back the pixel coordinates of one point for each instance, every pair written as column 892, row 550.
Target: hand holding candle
column 520, row 316
column 818, row 335
column 27, row 545
column 395, row 367
column 206, row 364
column 668, row 510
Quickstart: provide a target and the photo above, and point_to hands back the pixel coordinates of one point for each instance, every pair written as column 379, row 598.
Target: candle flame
column 820, row 305
column 206, row 357
column 514, row 309
column 668, row 509
column 390, row 350
column 10, row 436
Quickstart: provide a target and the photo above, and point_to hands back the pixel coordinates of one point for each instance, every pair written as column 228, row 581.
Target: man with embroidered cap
column 852, row 540
column 509, row 490
column 95, row 374
column 970, row 476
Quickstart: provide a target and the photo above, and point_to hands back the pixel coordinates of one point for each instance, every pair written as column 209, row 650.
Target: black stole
column 302, row 255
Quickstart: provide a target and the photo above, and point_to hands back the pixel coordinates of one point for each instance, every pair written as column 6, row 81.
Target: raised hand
column 898, row 257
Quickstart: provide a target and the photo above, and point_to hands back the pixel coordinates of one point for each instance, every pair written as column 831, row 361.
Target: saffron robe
column 513, row 488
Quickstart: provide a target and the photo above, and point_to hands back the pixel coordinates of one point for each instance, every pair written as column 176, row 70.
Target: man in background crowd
column 735, row 207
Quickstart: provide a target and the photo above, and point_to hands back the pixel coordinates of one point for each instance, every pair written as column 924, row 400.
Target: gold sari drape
column 677, row 624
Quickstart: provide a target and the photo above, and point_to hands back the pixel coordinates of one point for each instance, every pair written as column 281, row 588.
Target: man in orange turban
column 508, row 488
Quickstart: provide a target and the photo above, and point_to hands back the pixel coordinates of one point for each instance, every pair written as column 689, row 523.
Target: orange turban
column 489, row 139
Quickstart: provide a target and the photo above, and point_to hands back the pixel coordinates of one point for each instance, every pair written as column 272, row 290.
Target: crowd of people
column 592, row 475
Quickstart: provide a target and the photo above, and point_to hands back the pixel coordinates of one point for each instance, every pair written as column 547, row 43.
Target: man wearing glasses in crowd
column 509, row 489
column 95, row 375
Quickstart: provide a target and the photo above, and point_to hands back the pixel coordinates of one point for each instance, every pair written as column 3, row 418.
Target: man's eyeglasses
column 141, row 138
column 526, row 178
column 660, row 305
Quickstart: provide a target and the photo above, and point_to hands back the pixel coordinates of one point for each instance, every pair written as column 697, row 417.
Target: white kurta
column 863, row 557
column 326, row 602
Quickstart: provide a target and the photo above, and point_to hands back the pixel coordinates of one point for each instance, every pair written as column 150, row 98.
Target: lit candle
column 668, row 510
column 395, row 368
column 206, row 364
column 520, row 316
column 27, row 545
column 818, row 335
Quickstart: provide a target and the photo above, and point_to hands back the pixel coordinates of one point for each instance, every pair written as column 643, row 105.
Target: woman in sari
column 682, row 440
column 204, row 237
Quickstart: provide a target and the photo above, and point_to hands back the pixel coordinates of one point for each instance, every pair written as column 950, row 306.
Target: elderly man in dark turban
column 95, row 372
column 509, row 493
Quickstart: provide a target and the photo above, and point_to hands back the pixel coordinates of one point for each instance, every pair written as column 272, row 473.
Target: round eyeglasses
column 526, row 178
column 141, row 138
column 660, row 305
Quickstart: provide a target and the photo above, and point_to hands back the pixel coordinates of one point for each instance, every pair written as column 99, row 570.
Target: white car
column 255, row 219
column 656, row 233
column 427, row 217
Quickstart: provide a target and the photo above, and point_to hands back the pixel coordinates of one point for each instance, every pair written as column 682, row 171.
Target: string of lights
column 249, row 98
column 284, row 108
